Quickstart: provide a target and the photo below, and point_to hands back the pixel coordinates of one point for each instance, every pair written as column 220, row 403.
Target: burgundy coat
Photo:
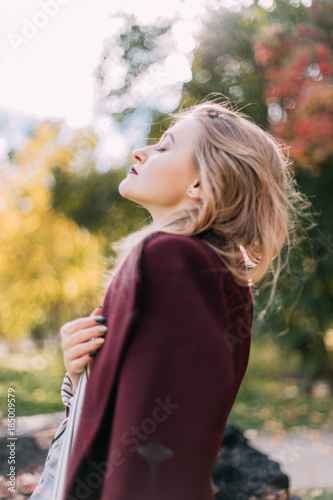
column 163, row 384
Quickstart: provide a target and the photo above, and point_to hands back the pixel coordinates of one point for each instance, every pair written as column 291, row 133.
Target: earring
column 190, row 191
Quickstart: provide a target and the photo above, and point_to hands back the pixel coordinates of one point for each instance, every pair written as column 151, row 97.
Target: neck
column 162, row 221
column 162, row 218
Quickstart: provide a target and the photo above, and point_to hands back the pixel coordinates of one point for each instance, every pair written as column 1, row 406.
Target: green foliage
column 89, row 197
column 224, row 62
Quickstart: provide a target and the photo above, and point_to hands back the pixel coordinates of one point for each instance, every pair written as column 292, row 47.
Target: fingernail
column 102, row 329
column 99, row 319
column 92, row 354
column 99, row 341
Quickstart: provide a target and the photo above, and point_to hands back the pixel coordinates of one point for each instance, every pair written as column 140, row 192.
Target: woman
column 178, row 311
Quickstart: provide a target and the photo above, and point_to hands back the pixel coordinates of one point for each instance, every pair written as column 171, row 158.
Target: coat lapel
column 119, row 310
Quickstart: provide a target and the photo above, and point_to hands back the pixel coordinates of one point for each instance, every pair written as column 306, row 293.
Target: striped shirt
column 67, row 392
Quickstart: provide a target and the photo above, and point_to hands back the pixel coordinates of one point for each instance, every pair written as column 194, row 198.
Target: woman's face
column 164, row 179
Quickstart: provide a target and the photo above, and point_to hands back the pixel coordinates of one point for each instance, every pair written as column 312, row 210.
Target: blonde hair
column 249, row 204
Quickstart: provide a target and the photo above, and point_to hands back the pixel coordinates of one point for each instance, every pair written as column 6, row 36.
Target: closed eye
column 161, row 150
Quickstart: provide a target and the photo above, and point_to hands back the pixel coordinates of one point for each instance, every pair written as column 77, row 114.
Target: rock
column 244, row 473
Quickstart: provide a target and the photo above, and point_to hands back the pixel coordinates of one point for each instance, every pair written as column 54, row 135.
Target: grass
column 269, row 398
column 314, row 493
column 36, row 378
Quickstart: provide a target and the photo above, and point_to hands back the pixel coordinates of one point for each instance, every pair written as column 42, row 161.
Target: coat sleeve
column 179, row 377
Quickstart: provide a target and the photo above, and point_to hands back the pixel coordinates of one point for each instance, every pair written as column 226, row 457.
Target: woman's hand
column 77, row 343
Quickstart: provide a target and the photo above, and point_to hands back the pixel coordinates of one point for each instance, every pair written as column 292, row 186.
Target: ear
column 195, row 191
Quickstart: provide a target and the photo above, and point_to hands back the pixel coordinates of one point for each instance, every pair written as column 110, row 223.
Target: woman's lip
column 133, row 171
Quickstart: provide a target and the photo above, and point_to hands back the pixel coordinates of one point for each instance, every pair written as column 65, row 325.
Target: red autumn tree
column 297, row 65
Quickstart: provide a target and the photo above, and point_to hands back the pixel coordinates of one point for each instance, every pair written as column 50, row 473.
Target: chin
column 123, row 189
column 126, row 191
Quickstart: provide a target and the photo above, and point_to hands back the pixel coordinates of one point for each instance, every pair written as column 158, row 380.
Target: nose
column 141, row 154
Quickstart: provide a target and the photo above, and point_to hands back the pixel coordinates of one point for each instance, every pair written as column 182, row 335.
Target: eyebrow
column 170, row 134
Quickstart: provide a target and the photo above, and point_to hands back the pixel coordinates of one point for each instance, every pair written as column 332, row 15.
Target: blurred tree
column 297, row 66
column 224, row 61
column 131, row 93
column 89, row 197
column 155, row 61
column 52, row 201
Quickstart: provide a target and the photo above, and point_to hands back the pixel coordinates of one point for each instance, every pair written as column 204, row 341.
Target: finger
column 80, row 350
column 83, row 336
column 97, row 311
column 80, row 363
column 80, row 324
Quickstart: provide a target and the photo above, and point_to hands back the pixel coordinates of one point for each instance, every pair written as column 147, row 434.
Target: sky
column 49, row 50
